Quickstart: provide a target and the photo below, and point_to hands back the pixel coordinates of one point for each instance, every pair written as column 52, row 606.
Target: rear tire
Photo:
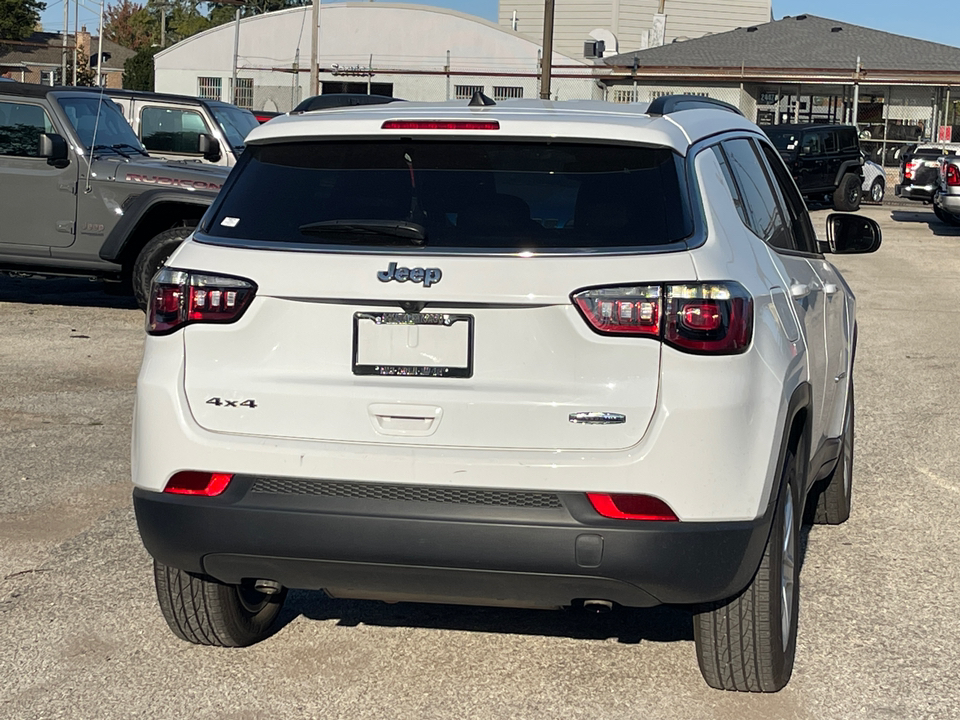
column 749, row 643
column 846, row 197
column 203, row 611
column 833, row 501
column 151, row 258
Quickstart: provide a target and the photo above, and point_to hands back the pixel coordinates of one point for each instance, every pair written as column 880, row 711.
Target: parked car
column 874, row 186
column 80, row 194
column 946, row 201
column 493, row 355
column 171, row 126
column 263, row 116
column 919, row 170
column 824, row 160
column 337, row 100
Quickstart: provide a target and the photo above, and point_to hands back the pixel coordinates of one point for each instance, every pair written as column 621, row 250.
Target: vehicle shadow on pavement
column 937, row 227
column 627, row 625
column 74, row 292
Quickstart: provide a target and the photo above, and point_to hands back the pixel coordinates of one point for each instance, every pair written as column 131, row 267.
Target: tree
column 138, row 70
column 130, row 25
column 19, row 18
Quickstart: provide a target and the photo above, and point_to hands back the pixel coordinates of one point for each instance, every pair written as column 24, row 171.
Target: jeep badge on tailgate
column 427, row 276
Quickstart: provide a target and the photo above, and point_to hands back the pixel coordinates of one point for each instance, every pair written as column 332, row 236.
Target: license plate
column 413, row 344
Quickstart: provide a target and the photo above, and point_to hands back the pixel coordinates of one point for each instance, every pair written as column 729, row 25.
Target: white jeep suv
column 528, row 354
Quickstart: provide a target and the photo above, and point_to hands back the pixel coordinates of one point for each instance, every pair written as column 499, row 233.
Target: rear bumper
column 915, row 192
column 950, row 203
column 523, row 553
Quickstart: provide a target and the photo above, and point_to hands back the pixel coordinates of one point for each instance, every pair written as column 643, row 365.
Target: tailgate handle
column 405, row 420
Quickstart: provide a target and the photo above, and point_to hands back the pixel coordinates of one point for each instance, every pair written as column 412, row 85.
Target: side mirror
column 850, row 234
column 54, row 148
column 209, row 147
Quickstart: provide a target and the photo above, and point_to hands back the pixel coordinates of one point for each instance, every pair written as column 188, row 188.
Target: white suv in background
column 528, row 354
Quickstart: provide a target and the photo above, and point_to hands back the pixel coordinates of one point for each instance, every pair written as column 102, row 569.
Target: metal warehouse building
column 409, row 51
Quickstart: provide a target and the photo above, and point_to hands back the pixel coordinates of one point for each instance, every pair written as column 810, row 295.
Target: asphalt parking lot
column 81, row 635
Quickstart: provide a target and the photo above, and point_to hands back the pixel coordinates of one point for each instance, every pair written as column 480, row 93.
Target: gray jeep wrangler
column 80, row 196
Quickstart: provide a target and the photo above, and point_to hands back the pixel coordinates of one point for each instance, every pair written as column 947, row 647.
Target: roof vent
column 801, row 17
column 752, row 29
column 836, row 29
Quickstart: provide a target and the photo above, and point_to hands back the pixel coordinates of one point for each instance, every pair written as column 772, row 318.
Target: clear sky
column 935, row 20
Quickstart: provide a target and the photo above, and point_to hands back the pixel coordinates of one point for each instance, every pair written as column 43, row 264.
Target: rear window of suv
column 456, row 195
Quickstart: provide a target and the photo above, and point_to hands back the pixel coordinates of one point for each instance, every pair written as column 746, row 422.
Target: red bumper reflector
column 190, row 482
column 631, row 507
column 440, row 125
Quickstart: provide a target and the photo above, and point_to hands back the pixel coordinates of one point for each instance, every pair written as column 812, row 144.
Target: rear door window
column 457, row 195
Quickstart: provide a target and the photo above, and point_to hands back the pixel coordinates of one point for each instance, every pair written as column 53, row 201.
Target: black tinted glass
column 786, row 141
column 464, row 195
column 759, row 200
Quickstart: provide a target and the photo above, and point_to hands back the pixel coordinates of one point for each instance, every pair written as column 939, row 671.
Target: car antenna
column 480, row 100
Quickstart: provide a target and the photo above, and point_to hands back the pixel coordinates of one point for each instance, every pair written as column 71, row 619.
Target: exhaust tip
column 267, row 587
column 597, row 607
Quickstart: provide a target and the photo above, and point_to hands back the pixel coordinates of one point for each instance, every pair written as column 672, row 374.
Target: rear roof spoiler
column 667, row 104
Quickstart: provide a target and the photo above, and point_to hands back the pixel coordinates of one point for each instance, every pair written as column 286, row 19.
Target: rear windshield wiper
column 387, row 231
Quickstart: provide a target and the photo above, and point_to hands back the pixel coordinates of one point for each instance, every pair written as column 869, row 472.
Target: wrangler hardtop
column 81, row 196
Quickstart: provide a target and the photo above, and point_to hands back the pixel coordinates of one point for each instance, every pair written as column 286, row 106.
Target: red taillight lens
column 190, row 482
column 631, row 507
column 705, row 318
column 179, row 297
column 953, row 175
column 710, row 319
column 910, row 169
column 622, row 310
column 441, row 125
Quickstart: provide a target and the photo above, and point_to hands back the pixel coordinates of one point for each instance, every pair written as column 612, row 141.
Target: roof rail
column 666, row 104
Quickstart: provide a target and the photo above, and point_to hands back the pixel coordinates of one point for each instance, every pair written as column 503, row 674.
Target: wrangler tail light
column 702, row 318
column 179, row 297
column 190, row 482
column 631, row 507
column 953, row 175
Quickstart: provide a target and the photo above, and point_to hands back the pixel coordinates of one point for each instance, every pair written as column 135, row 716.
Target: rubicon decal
column 172, row 182
column 427, row 276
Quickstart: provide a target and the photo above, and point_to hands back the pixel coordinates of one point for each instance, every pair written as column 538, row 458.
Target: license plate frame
column 413, row 320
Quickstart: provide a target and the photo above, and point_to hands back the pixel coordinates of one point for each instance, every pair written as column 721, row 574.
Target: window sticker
column 230, row 221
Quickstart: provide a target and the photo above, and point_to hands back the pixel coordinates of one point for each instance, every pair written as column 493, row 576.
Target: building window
column 507, row 93
column 465, row 92
column 654, row 94
column 243, row 95
column 624, row 95
column 209, row 88
column 46, row 77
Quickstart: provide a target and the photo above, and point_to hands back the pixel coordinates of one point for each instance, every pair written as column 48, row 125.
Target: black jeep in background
column 824, row 160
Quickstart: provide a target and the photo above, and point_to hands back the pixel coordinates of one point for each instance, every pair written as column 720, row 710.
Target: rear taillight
column 910, row 169
column 190, row 482
column 953, row 175
column 179, row 297
column 703, row 318
column 631, row 507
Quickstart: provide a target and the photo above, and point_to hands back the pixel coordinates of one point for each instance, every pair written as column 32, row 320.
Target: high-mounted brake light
column 631, row 507
column 953, row 175
column 178, row 297
column 702, row 318
column 440, row 125
column 190, row 482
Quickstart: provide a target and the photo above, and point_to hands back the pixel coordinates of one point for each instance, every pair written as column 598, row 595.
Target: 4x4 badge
column 427, row 276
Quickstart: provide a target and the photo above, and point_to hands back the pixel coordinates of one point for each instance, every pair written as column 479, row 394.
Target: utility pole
column 547, row 60
column 314, row 32
column 236, row 55
column 76, row 37
column 66, row 27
